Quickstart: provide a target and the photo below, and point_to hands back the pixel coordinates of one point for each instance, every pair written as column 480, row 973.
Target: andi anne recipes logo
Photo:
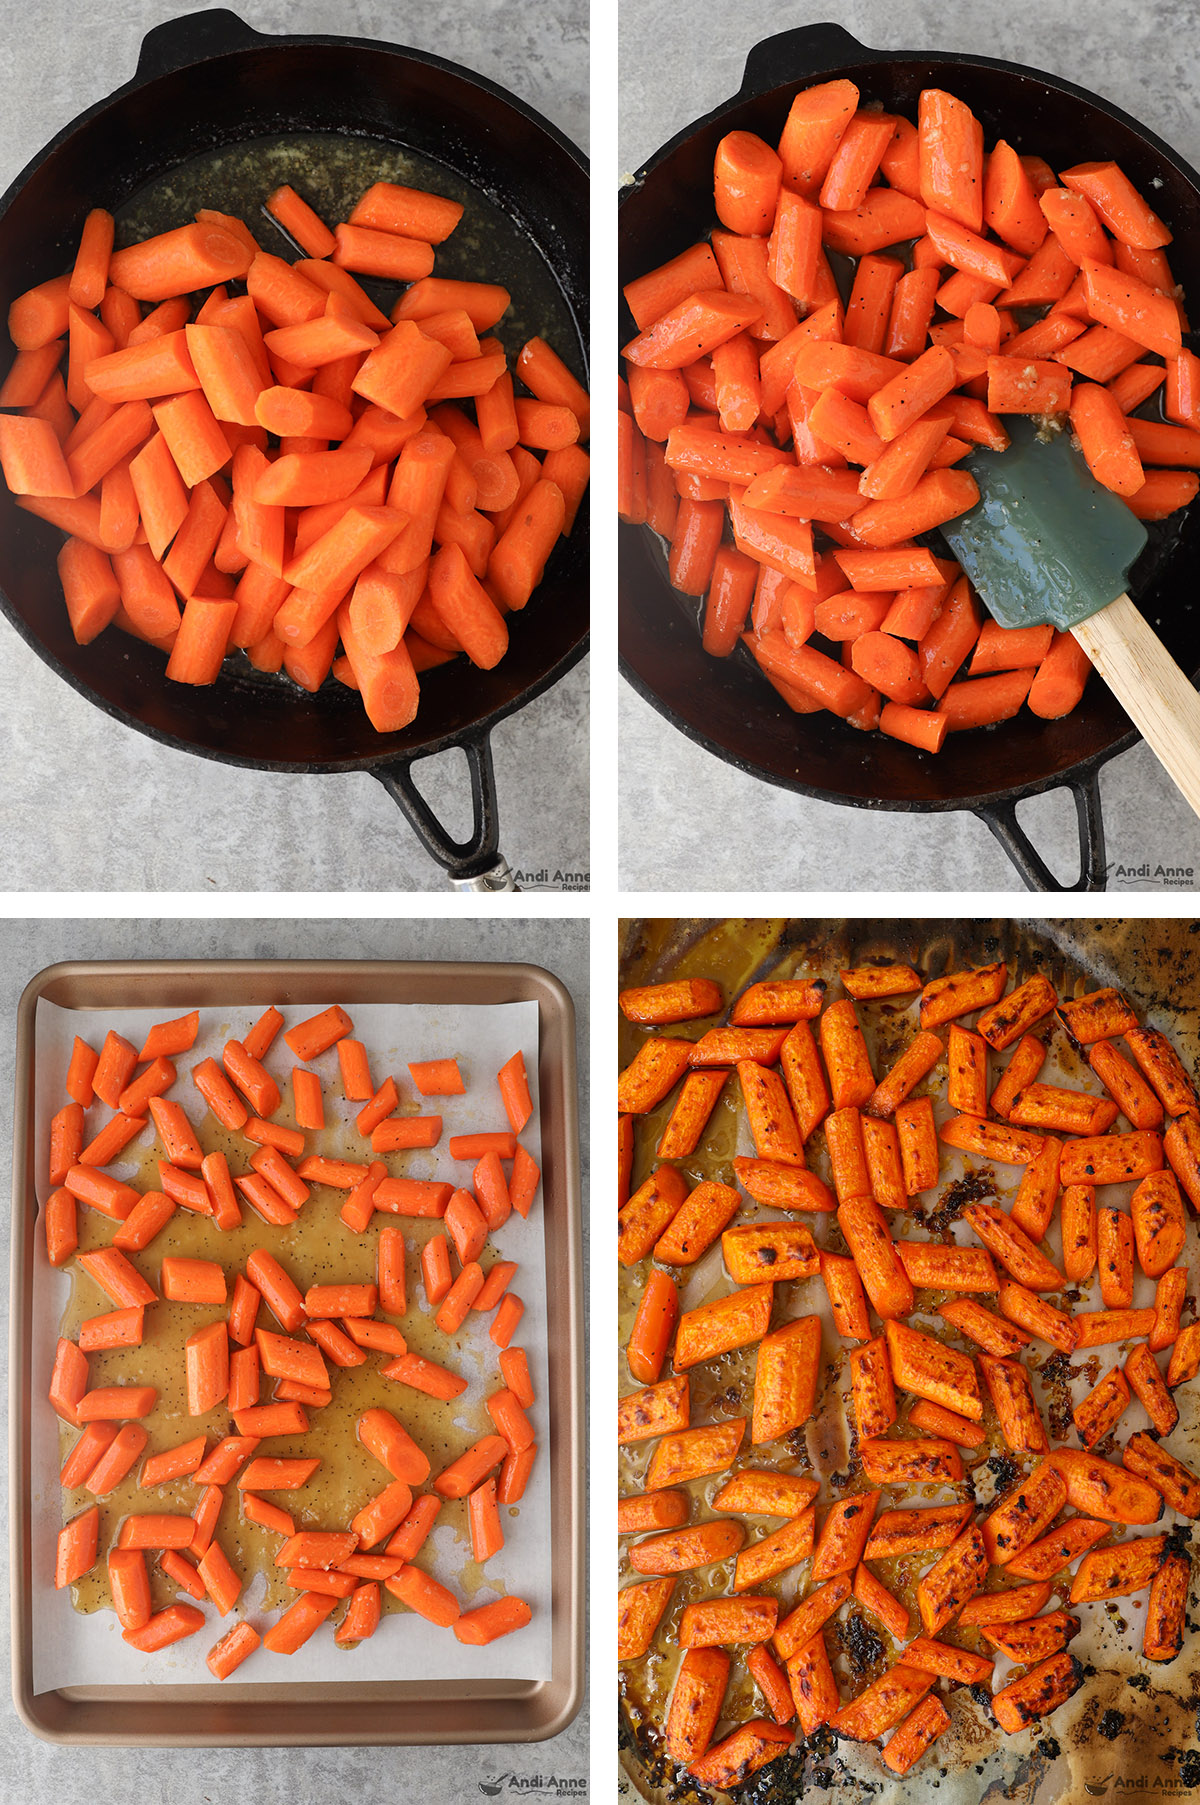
column 1148, row 876
column 547, row 879
column 559, row 1786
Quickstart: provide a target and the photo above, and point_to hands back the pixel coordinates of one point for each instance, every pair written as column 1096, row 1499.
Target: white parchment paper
column 74, row 1649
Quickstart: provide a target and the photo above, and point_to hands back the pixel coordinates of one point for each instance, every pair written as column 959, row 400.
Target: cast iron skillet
column 207, row 81
column 724, row 704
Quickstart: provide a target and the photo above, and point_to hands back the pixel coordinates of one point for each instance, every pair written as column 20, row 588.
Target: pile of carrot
column 272, row 1355
column 247, row 454
column 928, row 1407
column 793, row 451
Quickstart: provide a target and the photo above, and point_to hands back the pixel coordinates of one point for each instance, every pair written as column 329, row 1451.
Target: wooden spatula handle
column 1151, row 688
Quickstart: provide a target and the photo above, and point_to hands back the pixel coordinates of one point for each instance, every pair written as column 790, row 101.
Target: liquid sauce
column 737, row 953
column 318, row 1249
column 332, row 172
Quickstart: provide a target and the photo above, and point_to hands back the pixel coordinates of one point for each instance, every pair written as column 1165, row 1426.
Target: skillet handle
column 1001, row 817
column 192, row 39
column 798, row 55
column 474, row 864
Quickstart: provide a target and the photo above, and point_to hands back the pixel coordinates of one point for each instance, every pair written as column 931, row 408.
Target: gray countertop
column 71, row 774
column 678, row 63
column 34, row 1770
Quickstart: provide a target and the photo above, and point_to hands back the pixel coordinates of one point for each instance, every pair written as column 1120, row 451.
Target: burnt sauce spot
column 1049, row 1748
column 972, row 1187
column 1004, row 1470
column 862, row 1645
column 1111, row 1724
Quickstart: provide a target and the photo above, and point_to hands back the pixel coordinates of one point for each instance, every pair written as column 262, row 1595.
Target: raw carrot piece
column 950, row 148
column 300, row 1621
column 301, row 224
column 234, row 1647
column 165, row 1627
column 78, row 1541
column 424, row 1595
column 116, row 1458
column 747, row 176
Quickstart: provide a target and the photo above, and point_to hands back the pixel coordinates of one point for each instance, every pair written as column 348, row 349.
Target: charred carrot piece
column 679, row 1550
column 900, row 1532
column 1098, row 1489
column 932, row 1370
column 649, row 1212
column 1030, row 1311
column 653, row 1328
column 772, row 1682
column 1146, row 1382
column 760, row 1493
column 775, row 1251
column 1048, row 1556
column 959, row 993
column 693, row 1229
column 688, row 1453
column 1100, row 1411
column 652, row 1510
column 1177, row 1483
column 741, row 1755
column 786, row 1375
column 1013, row 1248
column 952, row 1580
column 851, row 1079
column 721, row 1621
column 697, row 1099
column 844, row 1536
column 1098, row 1327
column 803, row 1074
column 783, row 1187
column 769, row 1111
column 806, row 1620
column 1112, row 1158
column 1022, row 1516
column 872, row 1388
column 865, row 1228
column 780, row 1000
column 884, row 1702
column 1163, row 1635
column 814, row 1689
column 1159, row 1226
column 736, row 1320
column 639, row 1610
column 775, row 1553
column 1117, row 1572
column 658, row 1005
column 916, row 1734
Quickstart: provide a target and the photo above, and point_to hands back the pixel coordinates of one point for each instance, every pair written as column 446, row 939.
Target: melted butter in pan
column 318, row 1249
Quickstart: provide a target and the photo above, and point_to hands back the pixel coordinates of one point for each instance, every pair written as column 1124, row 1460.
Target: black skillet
column 724, row 704
column 207, row 85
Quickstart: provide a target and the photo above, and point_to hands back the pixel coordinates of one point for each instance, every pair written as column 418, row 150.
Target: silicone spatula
column 1047, row 543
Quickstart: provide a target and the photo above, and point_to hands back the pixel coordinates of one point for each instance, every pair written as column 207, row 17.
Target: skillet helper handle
column 799, row 55
column 1150, row 687
column 1035, row 873
column 474, row 864
column 193, row 38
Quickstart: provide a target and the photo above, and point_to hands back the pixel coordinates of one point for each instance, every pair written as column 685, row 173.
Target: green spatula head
column 1045, row 542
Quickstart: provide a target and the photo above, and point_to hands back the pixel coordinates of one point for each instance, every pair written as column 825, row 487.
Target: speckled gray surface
column 32, row 1770
column 70, row 772
column 677, row 63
